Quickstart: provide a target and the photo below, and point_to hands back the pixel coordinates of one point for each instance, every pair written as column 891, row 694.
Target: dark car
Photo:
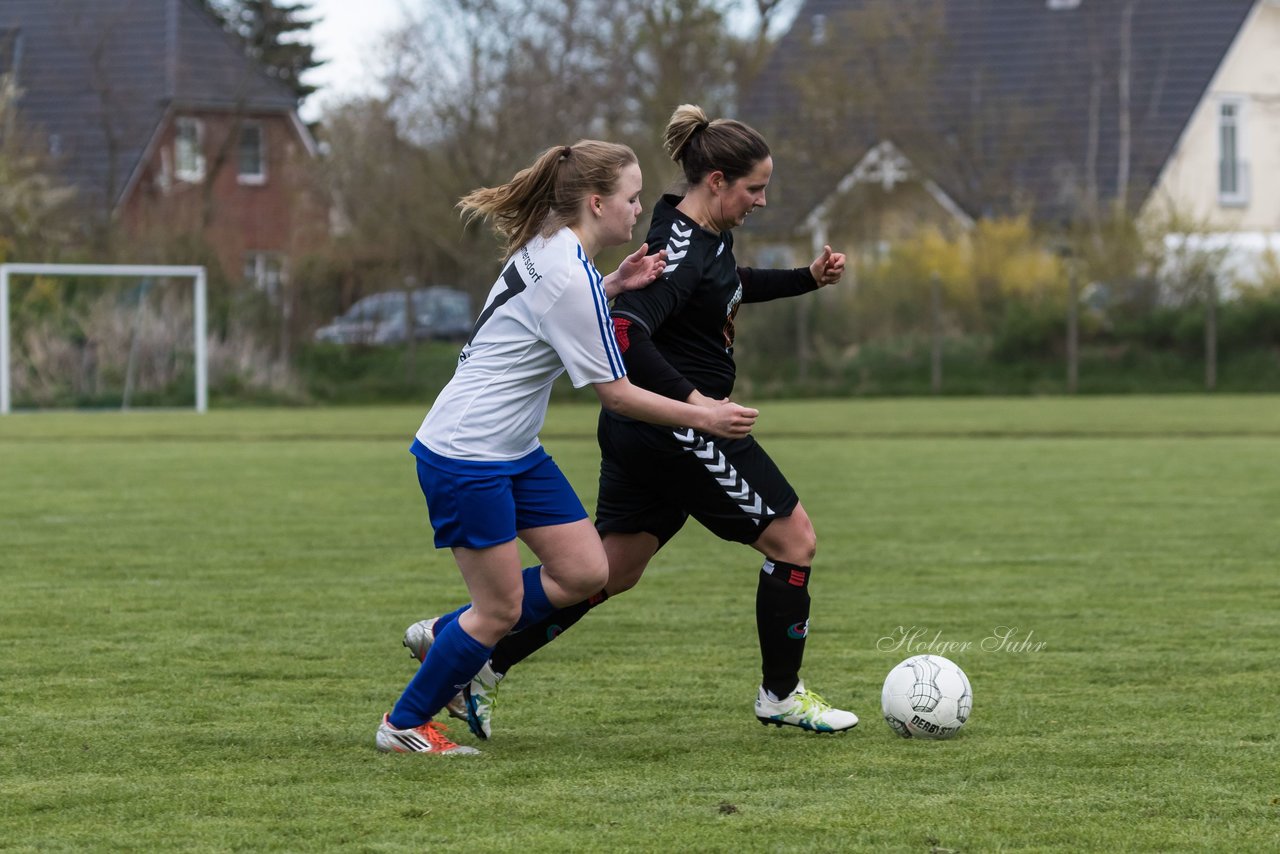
column 379, row 319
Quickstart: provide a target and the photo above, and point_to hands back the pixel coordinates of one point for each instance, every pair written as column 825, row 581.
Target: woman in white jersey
column 486, row 478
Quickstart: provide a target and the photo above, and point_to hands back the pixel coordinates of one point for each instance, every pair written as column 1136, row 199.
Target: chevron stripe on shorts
column 714, row 461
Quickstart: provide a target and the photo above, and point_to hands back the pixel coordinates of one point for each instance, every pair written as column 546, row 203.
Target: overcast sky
column 347, row 32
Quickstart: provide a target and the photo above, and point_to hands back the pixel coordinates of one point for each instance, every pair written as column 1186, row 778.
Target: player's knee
column 589, row 578
column 629, row 554
column 625, row 571
column 802, row 539
column 599, row 578
column 805, row 548
column 621, row 580
column 621, row 585
column 795, row 542
column 496, row 618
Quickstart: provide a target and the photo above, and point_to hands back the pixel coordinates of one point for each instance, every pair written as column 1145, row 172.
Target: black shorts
column 654, row 478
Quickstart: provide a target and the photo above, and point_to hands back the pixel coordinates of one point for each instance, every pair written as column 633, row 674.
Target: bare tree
column 35, row 207
column 755, row 48
column 466, row 104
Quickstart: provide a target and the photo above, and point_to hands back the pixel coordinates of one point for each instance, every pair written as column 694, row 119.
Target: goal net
column 89, row 334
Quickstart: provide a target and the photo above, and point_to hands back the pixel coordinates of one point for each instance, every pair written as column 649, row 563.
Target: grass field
column 201, row 617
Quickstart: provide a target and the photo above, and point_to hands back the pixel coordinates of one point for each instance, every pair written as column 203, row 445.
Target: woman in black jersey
column 677, row 339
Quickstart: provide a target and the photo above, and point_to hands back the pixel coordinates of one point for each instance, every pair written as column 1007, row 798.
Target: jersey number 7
column 515, row 285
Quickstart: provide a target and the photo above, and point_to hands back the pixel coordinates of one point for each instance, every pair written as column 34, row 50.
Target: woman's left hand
column 636, row 271
column 828, row 267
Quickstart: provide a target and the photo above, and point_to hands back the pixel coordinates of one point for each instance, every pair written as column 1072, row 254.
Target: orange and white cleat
column 427, row 738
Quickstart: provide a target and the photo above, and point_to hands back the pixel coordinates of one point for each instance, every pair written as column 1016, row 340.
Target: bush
column 81, row 345
column 1249, row 323
column 333, row 373
column 1029, row 332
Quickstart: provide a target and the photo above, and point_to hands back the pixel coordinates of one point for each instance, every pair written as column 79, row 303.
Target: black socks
column 518, row 646
column 782, row 622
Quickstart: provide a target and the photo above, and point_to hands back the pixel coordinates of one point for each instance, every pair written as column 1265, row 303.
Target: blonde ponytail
column 546, row 196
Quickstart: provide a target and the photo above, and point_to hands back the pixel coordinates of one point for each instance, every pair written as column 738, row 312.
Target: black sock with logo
column 782, row 622
column 517, row 646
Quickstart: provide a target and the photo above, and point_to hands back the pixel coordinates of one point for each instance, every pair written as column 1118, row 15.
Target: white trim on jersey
column 603, row 321
column 536, row 324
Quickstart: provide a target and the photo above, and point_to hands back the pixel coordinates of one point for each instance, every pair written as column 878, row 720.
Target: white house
column 952, row 110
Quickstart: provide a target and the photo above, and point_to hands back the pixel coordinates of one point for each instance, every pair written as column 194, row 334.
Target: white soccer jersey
column 546, row 314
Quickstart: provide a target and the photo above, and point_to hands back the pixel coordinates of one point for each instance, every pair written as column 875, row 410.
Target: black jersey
column 678, row 333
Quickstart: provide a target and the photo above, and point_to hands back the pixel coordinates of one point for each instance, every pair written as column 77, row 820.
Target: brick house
column 157, row 117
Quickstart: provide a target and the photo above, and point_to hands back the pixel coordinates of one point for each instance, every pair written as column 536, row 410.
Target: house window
column 1233, row 170
column 11, row 53
column 265, row 271
column 252, row 154
column 1059, row 5
column 188, row 150
column 818, row 33
column 164, row 175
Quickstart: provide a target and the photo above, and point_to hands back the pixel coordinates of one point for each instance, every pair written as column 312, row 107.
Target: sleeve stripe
column 636, row 319
column 604, row 323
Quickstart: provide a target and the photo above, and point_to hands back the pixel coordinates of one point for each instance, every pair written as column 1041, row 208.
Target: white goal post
column 196, row 274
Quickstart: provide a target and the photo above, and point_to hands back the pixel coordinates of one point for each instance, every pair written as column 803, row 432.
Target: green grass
column 201, row 619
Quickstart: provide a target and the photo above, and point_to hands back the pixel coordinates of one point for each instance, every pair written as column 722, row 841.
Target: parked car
column 379, row 319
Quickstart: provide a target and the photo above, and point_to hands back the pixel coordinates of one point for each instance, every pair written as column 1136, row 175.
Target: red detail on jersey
column 728, row 332
column 622, row 331
column 797, row 578
column 596, row 598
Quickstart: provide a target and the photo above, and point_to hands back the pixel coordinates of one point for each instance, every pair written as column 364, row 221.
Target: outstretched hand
column 729, row 420
column 636, row 271
column 828, row 267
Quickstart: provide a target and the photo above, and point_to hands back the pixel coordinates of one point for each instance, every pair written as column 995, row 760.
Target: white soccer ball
column 926, row 696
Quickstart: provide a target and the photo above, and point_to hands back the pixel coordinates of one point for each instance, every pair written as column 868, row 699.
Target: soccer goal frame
column 200, row 311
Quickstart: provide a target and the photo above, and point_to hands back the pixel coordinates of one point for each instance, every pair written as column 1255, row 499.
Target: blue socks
column 453, row 659
column 448, row 618
column 535, row 607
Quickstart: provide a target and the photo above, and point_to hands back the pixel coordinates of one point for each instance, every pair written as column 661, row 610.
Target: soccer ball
column 926, row 696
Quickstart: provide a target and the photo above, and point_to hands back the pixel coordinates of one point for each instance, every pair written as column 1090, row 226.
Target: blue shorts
column 481, row 504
